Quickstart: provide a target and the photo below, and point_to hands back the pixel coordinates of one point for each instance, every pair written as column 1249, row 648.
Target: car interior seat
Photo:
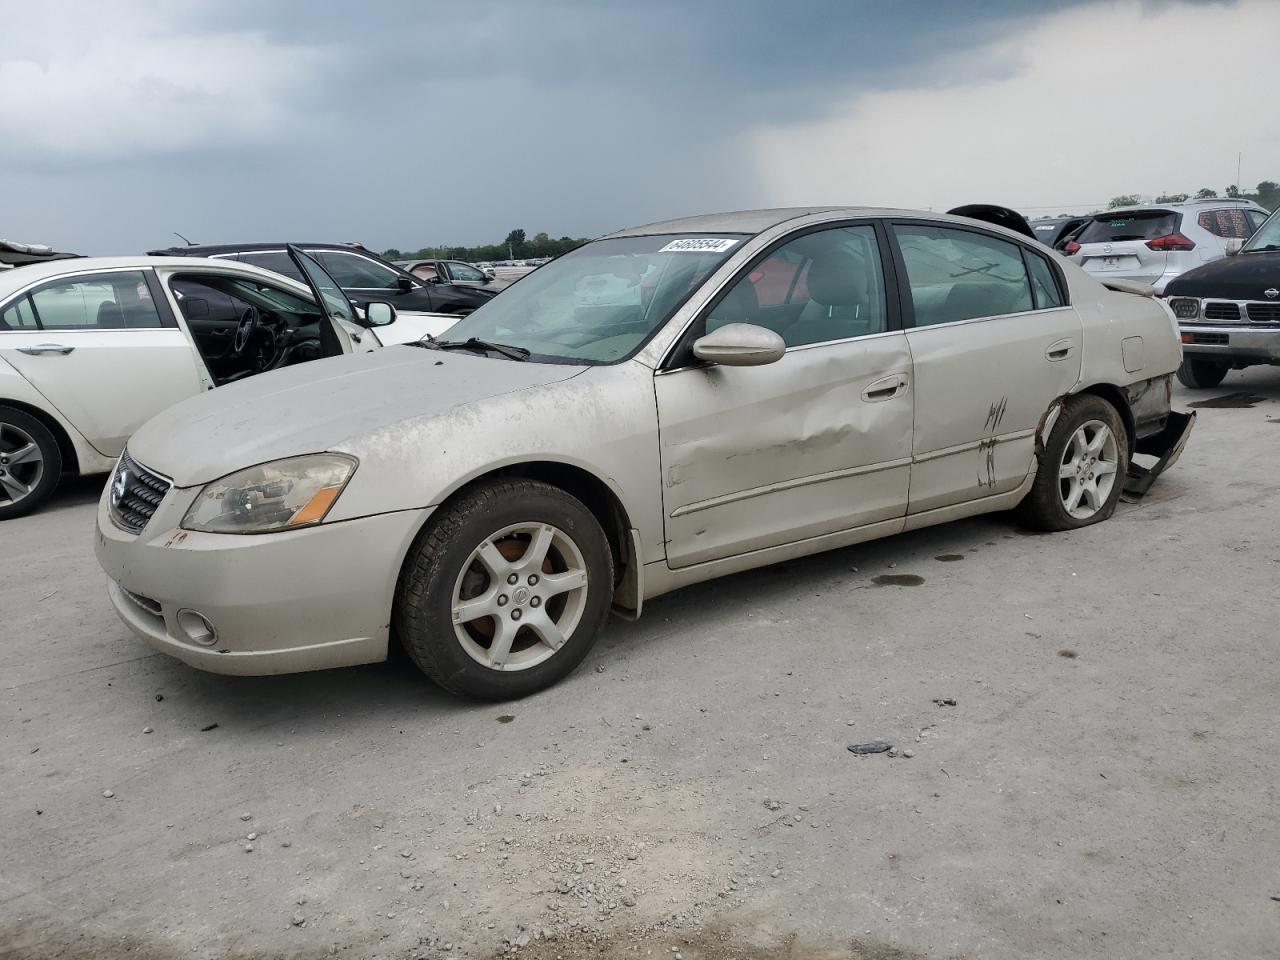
column 979, row 299
column 110, row 316
column 840, row 301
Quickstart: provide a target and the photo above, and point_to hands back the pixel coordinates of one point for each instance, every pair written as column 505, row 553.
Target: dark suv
column 364, row 276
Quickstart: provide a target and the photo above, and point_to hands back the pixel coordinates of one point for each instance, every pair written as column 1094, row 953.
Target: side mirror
column 378, row 313
column 740, row 345
column 404, row 283
column 1233, row 246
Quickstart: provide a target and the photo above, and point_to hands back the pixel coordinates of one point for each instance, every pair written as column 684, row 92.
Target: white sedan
column 90, row 349
column 774, row 383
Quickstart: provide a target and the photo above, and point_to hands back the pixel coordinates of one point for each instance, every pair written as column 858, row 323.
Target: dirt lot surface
column 1105, row 785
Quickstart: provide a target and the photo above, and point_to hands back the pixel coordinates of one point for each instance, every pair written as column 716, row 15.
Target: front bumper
column 306, row 599
column 1229, row 342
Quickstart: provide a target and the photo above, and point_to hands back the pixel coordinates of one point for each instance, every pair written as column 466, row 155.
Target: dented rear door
column 993, row 344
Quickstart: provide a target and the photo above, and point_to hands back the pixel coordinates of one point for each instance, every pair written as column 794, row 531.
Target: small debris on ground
column 108, row 794
column 773, row 805
column 207, row 727
column 1069, row 654
column 148, row 730
column 506, row 718
column 874, row 746
column 945, row 701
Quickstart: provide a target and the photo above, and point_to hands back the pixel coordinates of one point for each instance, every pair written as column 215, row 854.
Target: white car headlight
column 280, row 495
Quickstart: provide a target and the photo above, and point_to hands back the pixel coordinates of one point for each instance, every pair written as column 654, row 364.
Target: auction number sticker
column 699, row 245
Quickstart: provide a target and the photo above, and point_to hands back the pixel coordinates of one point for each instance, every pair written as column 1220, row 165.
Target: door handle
column 886, row 388
column 1058, row 350
column 42, row 348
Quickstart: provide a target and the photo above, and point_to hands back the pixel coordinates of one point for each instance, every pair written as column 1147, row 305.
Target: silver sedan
column 669, row 404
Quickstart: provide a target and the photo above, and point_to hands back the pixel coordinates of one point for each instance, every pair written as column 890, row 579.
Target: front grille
column 1218, row 339
column 1264, row 312
column 1221, row 311
column 135, row 494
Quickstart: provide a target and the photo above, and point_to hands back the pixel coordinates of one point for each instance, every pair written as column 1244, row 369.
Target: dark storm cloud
column 402, row 123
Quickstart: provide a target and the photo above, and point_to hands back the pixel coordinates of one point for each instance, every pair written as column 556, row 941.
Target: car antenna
column 183, row 239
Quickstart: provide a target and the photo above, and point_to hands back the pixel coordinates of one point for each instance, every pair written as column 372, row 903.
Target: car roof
column 758, row 221
column 19, row 277
column 210, row 249
column 1182, row 205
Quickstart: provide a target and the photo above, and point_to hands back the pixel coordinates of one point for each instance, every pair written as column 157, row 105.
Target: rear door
column 343, row 333
column 102, row 351
column 993, row 344
column 1120, row 244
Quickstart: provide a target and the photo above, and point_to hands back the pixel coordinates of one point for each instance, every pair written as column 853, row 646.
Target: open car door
column 343, row 333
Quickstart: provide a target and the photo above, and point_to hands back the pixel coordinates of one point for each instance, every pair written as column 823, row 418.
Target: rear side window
column 351, row 270
column 1130, row 225
column 277, row 261
column 960, row 275
column 1230, row 224
column 101, row 301
column 1044, row 283
column 1256, row 219
column 18, row 316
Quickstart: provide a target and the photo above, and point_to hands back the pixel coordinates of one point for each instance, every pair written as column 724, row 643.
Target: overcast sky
column 402, row 123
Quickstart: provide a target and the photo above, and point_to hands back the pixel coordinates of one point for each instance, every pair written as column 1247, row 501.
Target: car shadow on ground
column 75, row 491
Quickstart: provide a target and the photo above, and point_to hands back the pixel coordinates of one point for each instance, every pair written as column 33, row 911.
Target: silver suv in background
column 1153, row 244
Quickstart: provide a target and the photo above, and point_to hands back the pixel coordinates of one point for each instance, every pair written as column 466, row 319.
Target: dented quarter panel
column 982, row 388
column 753, row 457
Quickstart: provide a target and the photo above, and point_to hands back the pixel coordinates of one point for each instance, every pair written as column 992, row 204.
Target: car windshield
column 601, row 302
column 1129, row 225
column 1266, row 238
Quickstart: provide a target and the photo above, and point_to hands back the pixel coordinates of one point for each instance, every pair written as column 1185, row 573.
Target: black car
column 1229, row 311
column 1056, row 232
column 364, row 276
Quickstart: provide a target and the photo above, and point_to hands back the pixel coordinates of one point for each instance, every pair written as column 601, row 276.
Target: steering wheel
column 248, row 326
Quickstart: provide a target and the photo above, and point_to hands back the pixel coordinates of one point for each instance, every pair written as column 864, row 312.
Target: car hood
column 315, row 406
column 1243, row 277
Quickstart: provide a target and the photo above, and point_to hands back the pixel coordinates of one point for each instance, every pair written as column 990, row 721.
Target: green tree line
column 1267, row 194
column 516, row 246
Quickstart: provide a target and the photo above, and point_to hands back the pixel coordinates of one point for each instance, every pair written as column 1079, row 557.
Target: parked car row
column 665, row 405
column 92, row 348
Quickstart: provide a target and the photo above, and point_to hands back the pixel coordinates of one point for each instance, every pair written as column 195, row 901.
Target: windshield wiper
column 480, row 346
column 1265, row 246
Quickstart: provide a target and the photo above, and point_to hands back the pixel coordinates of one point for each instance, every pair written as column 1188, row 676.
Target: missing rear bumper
column 1166, row 446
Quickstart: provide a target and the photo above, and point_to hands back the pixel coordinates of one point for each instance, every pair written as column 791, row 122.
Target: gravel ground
column 1105, row 784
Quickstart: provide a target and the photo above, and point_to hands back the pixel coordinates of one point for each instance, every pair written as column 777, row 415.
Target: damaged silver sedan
column 662, row 406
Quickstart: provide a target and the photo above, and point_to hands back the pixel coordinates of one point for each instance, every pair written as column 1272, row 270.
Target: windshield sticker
column 699, row 245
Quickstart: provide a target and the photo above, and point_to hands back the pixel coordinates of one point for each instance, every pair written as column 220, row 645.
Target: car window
column 1267, row 236
column 1231, row 224
column 18, row 316
column 1129, row 225
column 276, row 261
column 960, row 275
column 424, row 271
column 352, row 270
column 818, row 287
column 464, row 271
column 1256, row 219
column 1044, row 283
column 101, row 301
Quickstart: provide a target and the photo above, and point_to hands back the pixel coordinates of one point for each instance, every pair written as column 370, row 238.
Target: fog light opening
column 196, row 628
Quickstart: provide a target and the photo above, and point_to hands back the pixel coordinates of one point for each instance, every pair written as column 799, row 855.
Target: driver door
column 343, row 333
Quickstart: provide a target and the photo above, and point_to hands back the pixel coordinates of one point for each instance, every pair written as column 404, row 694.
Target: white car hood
column 315, row 406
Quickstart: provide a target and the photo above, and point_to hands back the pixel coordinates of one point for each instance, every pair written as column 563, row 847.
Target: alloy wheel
column 21, row 464
column 520, row 596
column 1088, row 470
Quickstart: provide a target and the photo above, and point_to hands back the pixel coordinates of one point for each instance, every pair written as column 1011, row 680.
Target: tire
column 1201, row 374
column 444, row 570
column 1067, row 467
column 23, row 439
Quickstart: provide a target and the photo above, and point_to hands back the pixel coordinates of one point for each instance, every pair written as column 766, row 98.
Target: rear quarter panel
column 1127, row 338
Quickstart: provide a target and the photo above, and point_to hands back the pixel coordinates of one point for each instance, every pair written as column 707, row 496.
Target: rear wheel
column 1201, row 374
column 1079, row 479
column 30, row 463
column 506, row 590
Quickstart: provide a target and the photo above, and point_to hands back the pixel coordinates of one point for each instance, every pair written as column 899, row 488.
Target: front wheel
column 1201, row 374
column 506, row 590
column 1081, row 474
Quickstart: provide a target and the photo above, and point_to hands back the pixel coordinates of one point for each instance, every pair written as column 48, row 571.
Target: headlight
column 1185, row 308
column 281, row 495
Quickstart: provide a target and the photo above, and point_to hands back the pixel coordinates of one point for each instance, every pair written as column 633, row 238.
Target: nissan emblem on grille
column 1272, row 293
column 136, row 492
